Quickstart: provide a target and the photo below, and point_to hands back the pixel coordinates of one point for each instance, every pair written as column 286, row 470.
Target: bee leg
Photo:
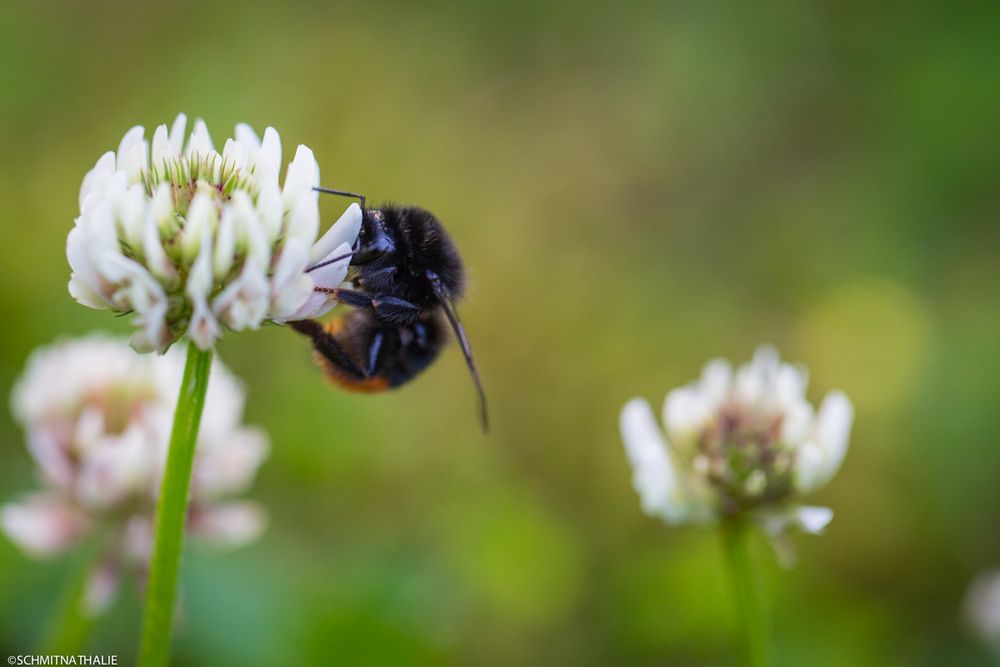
column 326, row 344
column 380, row 275
column 373, row 351
column 393, row 309
column 387, row 308
column 349, row 296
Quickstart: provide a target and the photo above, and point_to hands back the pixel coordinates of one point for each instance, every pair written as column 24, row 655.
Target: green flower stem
column 171, row 512
column 746, row 586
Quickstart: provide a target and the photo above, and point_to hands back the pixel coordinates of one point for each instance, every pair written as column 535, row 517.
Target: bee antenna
column 364, row 212
column 344, row 193
column 329, row 261
column 449, row 308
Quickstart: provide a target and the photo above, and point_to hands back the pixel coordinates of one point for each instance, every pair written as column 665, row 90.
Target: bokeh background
column 635, row 187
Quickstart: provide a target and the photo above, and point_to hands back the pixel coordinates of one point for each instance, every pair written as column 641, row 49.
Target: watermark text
column 56, row 659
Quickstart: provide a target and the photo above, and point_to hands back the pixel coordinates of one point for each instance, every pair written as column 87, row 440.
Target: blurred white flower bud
column 195, row 241
column 97, row 419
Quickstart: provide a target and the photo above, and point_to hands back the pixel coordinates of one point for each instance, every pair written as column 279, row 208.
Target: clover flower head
column 743, row 443
column 193, row 240
column 97, row 419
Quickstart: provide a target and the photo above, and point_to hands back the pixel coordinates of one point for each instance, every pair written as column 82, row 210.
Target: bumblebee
column 406, row 275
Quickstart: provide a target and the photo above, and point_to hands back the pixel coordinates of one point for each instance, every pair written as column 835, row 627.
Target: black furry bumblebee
column 406, row 275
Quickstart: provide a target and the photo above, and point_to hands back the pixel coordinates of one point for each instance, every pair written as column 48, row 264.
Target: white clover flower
column 982, row 607
column 98, row 419
column 196, row 241
column 748, row 443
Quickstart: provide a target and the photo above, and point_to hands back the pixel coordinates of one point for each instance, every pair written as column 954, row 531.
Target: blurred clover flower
column 982, row 608
column 739, row 448
column 747, row 443
column 193, row 241
column 97, row 418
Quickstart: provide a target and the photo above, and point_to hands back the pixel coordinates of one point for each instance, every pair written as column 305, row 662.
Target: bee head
column 375, row 241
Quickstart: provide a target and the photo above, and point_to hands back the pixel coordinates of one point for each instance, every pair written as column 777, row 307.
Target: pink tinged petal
column 50, row 452
column 200, row 142
column 42, row 525
column 153, row 334
column 101, row 588
column 137, row 289
column 653, row 473
column 85, row 284
column 687, row 409
column 345, row 230
column 118, row 467
column 228, row 525
column 84, row 295
column 88, row 432
column 175, row 142
column 244, row 302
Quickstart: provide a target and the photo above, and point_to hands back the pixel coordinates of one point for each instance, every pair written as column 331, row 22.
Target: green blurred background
column 635, row 187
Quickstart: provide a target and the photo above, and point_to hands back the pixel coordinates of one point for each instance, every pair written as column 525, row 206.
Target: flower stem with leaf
column 753, row 619
column 171, row 511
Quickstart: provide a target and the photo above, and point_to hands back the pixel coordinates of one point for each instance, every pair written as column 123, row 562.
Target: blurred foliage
column 635, row 187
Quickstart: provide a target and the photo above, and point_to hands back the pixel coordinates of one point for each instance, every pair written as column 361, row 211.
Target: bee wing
column 448, row 305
